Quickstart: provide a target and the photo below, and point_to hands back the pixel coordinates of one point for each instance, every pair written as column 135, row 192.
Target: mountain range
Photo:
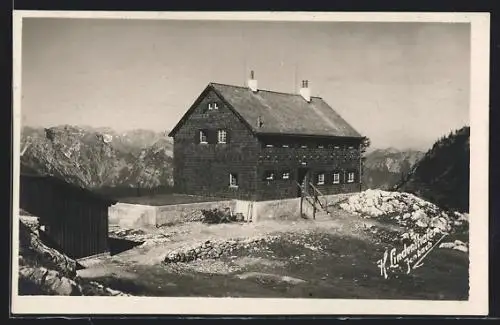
column 384, row 168
column 98, row 158
column 104, row 160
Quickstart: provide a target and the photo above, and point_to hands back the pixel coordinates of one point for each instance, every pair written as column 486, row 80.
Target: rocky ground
column 335, row 258
column 45, row 271
column 412, row 214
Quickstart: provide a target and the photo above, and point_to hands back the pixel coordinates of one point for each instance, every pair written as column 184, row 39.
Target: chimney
column 305, row 91
column 252, row 83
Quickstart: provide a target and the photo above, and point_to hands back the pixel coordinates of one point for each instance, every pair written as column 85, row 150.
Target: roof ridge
column 266, row 90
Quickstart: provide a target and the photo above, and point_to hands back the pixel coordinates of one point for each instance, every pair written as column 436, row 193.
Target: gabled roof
column 279, row 113
column 28, row 172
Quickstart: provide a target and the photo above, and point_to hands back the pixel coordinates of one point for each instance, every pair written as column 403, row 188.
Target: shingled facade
column 246, row 143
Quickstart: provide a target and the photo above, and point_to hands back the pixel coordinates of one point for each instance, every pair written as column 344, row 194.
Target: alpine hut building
column 253, row 144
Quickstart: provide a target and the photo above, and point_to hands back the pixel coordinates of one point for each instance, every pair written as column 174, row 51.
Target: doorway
column 302, row 179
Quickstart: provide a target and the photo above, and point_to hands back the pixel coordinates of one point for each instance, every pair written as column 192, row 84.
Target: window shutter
column 212, row 136
column 228, row 136
column 197, row 136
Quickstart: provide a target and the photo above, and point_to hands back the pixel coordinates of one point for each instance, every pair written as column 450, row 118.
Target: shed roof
column 281, row 113
column 30, row 173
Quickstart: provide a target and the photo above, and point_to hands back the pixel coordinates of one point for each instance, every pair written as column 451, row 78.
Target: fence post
column 301, row 200
column 314, row 205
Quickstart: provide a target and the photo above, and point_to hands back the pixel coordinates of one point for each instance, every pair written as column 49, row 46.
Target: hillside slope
column 442, row 175
column 384, row 168
column 97, row 158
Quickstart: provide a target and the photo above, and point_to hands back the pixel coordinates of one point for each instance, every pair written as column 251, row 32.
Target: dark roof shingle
column 284, row 113
column 29, row 172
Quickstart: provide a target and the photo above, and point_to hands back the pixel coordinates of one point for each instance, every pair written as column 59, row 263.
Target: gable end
column 198, row 100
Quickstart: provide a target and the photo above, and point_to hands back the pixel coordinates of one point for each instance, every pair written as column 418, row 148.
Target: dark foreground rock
column 46, row 271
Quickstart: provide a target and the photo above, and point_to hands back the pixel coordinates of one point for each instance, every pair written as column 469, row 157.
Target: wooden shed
column 74, row 219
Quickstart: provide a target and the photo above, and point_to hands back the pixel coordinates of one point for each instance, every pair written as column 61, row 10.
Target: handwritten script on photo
column 410, row 257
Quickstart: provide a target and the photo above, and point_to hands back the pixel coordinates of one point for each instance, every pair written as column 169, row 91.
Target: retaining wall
column 134, row 215
column 171, row 214
column 289, row 209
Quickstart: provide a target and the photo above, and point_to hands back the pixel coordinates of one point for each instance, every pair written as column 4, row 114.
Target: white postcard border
column 479, row 122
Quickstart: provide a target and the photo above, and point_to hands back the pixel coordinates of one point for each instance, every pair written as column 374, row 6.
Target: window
column 269, row 146
column 321, row 146
column 350, row 177
column 269, row 176
column 336, row 147
column 222, row 136
column 336, row 178
column 212, row 106
column 285, row 175
column 233, row 180
column 304, row 146
column 203, row 136
column 351, row 147
column 321, row 179
column 285, row 146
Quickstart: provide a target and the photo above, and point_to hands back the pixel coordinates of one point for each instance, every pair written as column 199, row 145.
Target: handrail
column 312, row 199
column 317, row 191
column 314, row 188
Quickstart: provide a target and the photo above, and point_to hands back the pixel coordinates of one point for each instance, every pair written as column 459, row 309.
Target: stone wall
column 213, row 249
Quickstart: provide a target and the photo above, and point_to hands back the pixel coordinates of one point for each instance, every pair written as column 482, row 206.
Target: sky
column 403, row 85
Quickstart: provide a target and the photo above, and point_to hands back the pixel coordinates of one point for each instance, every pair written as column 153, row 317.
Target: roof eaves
column 286, row 134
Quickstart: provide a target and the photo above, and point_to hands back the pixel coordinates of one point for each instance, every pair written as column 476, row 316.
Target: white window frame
column 202, row 134
column 270, row 177
column 224, row 137
column 336, row 178
column 349, row 178
column 304, row 146
column 269, row 146
column 321, row 179
column 233, row 178
column 212, row 106
column 285, row 146
column 285, row 175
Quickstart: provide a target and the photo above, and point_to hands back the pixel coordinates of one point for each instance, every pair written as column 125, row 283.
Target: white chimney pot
column 252, row 83
column 305, row 91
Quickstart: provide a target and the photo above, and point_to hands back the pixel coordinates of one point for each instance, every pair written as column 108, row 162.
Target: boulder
column 418, row 214
column 461, row 248
column 422, row 223
column 459, row 243
column 446, row 245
